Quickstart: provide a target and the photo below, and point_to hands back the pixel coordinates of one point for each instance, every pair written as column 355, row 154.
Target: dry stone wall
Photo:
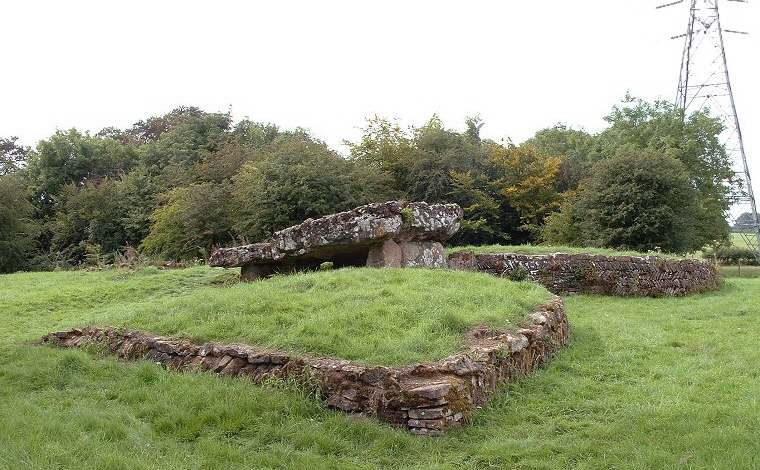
column 597, row 274
column 425, row 398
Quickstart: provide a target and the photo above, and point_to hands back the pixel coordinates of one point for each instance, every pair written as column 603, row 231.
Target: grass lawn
column 388, row 316
column 739, row 271
column 737, row 239
column 646, row 383
column 551, row 249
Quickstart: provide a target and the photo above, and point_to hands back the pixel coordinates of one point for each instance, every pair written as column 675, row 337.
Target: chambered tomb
column 389, row 234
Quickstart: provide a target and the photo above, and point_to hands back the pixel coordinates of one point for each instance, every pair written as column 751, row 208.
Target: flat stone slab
column 353, row 238
column 425, row 398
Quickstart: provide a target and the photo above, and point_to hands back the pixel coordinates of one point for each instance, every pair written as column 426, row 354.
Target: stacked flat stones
column 426, row 398
column 597, row 274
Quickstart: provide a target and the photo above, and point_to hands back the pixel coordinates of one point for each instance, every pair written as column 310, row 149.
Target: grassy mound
column 388, row 316
column 647, row 384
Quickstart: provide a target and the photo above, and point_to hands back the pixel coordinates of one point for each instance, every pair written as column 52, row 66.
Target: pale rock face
column 390, row 234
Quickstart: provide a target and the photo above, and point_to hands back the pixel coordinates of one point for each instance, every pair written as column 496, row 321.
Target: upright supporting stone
column 422, row 255
column 385, row 255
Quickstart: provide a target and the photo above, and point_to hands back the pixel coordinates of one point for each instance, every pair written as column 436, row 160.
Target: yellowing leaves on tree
column 526, row 180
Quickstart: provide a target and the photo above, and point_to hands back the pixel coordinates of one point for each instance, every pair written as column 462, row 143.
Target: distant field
column 646, row 384
column 737, row 239
column 739, row 271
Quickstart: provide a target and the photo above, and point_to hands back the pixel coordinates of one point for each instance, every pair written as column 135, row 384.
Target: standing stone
column 423, row 255
column 385, row 255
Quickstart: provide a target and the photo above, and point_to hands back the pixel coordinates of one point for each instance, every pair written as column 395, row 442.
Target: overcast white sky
column 328, row 65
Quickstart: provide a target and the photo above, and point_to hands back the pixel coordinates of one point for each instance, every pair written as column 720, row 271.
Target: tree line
column 176, row 186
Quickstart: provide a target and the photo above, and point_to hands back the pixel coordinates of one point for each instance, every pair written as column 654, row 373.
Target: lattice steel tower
column 704, row 83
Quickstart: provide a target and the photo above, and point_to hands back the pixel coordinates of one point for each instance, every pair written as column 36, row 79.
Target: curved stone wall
column 596, row 274
column 425, row 398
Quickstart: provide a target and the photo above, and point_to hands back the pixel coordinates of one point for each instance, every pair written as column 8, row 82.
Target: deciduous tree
column 296, row 178
column 194, row 220
column 692, row 139
column 641, row 200
column 18, row 229
column 12, row 155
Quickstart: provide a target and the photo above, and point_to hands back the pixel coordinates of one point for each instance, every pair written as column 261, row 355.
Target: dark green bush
column 731, row 255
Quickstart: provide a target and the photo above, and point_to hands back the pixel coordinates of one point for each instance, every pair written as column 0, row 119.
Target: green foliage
column 525, row 178
column 437, row 152
column 420, row 162
column 505, row 191
column 576, row 150
column 480, row 203
column 562, row 227
column 387, row 147
column 242, row 146
column 12, row 155
column 70, row 157
column 151, row 129
column 169, row 156
column 508, row 198
column 694, row 140
column 641, row 200
column 18, row 229
column 95, row 195
column 730, row 254
column 195, row 219
column 88, row 217
column 294, row 179
column 617, row 210
column 139, row 194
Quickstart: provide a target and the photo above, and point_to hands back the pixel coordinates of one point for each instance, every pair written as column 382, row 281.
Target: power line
column 704, row 83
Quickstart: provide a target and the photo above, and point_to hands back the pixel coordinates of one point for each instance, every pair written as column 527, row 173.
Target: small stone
column 426, row 432
column 276, row 358
column 342, row 403
column 431, row 391
column 429, row 413
column 350, row 394
column 259, row 358
column 427, row 423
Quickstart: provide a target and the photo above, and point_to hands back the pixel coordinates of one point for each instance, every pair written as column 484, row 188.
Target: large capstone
column 389, row 234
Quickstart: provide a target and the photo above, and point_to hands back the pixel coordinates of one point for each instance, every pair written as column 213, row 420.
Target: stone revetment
column 425, row 398
column 622, row 276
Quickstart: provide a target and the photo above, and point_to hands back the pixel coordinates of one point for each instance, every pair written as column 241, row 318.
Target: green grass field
column 752, row 272
column 551, row 249
column 737, row 239
column 388, row 316
column 646, row 384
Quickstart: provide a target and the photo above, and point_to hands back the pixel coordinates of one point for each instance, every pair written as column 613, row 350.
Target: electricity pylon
column 704, row 83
